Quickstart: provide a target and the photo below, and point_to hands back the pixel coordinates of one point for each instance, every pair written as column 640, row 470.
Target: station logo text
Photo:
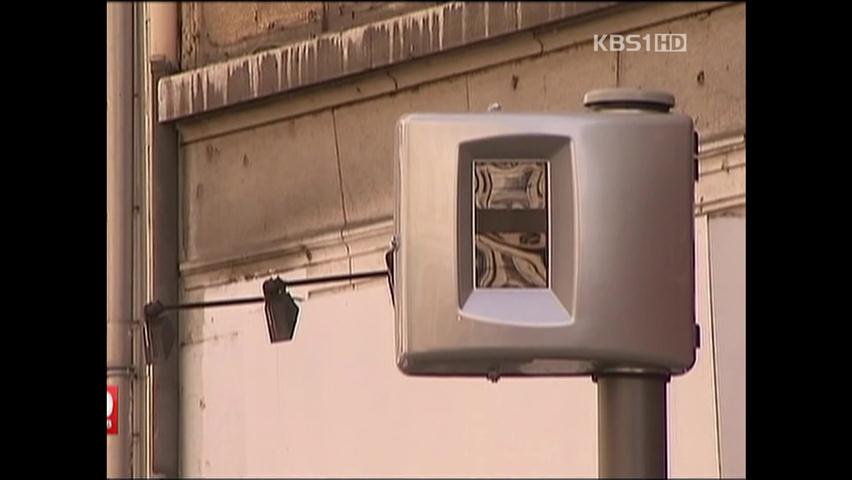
column 657, row 42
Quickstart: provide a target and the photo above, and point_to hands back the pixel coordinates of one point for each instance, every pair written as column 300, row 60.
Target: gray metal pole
column 119, row 187
column 632, row 425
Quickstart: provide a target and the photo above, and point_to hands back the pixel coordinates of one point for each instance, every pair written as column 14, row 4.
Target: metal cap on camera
column 629, row 98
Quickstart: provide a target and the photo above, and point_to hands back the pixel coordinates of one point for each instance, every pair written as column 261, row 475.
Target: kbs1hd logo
column 658, row 42
column 112, row 410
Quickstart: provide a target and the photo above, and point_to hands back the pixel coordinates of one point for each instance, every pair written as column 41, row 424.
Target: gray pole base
column 632, row 425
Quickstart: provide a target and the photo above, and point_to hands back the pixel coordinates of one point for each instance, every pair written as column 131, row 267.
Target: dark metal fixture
column 280, row 309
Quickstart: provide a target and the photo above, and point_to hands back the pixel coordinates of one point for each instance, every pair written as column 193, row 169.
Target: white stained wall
column 727, row 266
column 332, row 403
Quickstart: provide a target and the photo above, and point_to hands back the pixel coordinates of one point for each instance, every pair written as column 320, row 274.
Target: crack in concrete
column 395, row 83
column 339, row 167
column 342, row 196
column 617, row 68
column 467, row 90
column 540, row 44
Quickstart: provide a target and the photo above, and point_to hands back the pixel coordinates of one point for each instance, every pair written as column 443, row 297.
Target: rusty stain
column 700, row 77
column 201, row 403
column 514, row 82
column 245, row 160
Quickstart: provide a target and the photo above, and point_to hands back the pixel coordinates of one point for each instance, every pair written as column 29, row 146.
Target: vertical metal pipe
column 632, row 425
column 164, row 31
column 137, row 388
column 119, row 227
column 163, row 237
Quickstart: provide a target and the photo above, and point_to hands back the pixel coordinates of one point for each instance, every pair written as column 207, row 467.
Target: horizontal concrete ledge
column 356, row 50
column 722, row 142
column 721, row 188
column 310, row 252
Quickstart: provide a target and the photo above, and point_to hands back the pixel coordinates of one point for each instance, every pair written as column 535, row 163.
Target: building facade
column 265, row 147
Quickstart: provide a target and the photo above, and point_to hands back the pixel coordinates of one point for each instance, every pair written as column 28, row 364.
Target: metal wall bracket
column 281, row 311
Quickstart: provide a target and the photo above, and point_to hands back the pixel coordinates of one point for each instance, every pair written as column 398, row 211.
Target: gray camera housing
column 619, row 289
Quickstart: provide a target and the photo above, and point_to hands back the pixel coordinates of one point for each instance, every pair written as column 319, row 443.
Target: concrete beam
column 485, row 55
column 356, row 50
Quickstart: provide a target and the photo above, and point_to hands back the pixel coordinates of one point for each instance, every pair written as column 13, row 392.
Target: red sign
column 112, row 409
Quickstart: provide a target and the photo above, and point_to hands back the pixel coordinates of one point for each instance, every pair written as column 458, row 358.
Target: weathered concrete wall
column 255, row 186
column 332, row 403
column 217, row 31
column 362, row 131
column 338, row 54
column 260, row 185
column 302, row 184
column 709, row 79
